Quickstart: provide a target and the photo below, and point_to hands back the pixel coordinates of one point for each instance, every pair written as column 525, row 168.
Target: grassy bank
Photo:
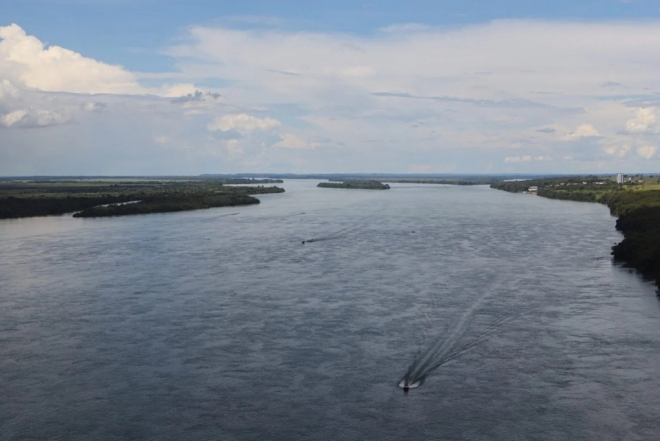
column 97, row 198
column 636, row 203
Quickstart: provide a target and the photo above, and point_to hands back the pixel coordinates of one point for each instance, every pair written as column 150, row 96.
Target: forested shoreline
column 102, row 198
column 356, row 184
column 637, row 205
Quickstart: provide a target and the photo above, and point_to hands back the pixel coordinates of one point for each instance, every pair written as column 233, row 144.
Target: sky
column 169, row 87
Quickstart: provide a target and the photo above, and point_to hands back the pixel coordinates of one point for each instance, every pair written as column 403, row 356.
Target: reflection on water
column 201, row 325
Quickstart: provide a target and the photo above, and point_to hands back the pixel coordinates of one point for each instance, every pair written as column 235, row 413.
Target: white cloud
column 242, row 123
column 582, row 131
column 93, row 106
column 518, row 56
column 12, row 118
column 467, row 94
column 233, row 149
column 290, row 141
column 526, row 158
column 642, row 122
column 7, row 90
column 18, row 112
column 618, row 151
column 26, row 60
column 178, row 90
column 647, row 151
column 27, row 118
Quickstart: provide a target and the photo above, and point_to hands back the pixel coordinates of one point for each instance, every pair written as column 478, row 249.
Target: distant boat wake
column 336, row 235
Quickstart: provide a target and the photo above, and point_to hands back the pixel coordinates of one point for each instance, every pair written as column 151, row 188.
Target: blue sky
column 146, row 86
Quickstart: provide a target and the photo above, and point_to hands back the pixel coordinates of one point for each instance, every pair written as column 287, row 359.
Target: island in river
column 356, row 184
column 636, row 203
column 119, row 197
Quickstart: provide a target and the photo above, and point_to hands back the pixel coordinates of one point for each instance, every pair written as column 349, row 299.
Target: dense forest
column 95, row 198
column 356, row 184
column 441, row 181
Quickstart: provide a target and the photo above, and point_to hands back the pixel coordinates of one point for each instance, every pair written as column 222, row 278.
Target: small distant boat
column 407, row 384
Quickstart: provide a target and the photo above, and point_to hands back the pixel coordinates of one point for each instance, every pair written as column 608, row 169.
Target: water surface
column 200, row 325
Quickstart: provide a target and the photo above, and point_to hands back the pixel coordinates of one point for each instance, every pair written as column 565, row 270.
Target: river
column 212, row 325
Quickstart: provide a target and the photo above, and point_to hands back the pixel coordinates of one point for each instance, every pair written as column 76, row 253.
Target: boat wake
column 444, row 349
column 336, row 235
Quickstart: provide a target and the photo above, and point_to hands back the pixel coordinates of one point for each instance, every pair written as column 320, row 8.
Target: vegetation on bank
column 637, row 203
column 356, row 184
column 94, row 198
column 242, row 181
column 168, row 204
column 442, row 181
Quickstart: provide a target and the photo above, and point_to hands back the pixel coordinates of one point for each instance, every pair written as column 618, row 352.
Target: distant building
column 619, row 178
column 533, row 189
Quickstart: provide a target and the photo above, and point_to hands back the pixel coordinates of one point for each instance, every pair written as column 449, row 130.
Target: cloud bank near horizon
column 507, row 96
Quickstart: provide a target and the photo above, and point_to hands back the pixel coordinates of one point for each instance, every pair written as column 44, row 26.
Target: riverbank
column 102, row 198
column 637, row 206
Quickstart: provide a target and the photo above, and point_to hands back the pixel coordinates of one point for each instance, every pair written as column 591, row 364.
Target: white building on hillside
column 619, row 178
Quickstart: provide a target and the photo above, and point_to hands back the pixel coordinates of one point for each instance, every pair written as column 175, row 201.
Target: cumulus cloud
column 242, row 123
column 499, row 85
column 642, row 122
column 25, row 59
column 291, row 141
column 647, row 151
column 27, row 118
column 582, row 131
column 7, row 90
column 178, row 90
column 619, row 151
column 12, row 118
column 17, row 112
column 488, row 88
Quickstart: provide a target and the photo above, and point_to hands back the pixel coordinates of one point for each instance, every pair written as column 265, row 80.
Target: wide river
column 210, row 325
